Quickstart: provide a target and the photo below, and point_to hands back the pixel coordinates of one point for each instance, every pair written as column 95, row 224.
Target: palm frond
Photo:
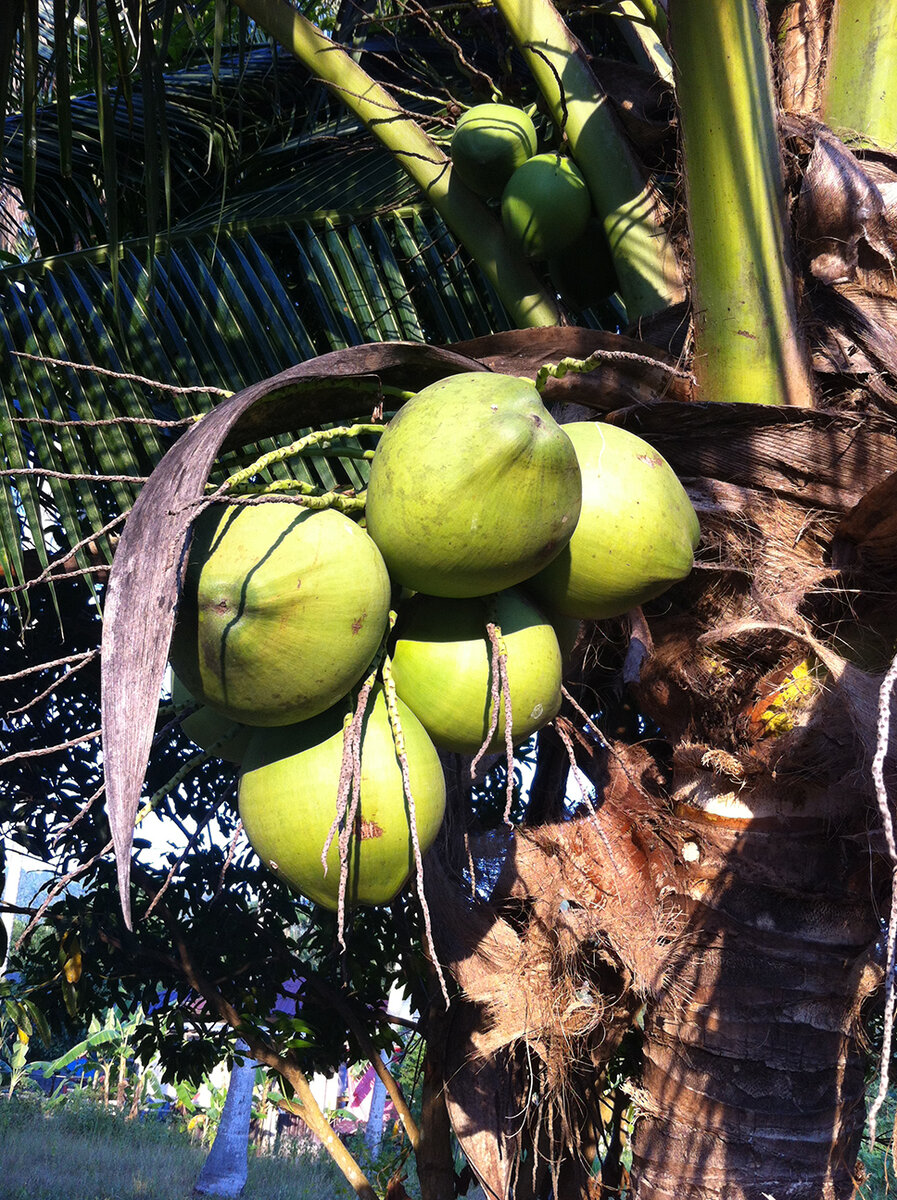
column 220, row 312
column 98, row 160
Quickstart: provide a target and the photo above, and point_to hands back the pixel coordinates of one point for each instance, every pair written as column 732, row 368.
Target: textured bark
column 801, row 27
column 435, row 1161
column 753, row 1080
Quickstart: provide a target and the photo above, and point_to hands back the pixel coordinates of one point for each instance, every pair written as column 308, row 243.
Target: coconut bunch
column 335, row 658
column 546, row 207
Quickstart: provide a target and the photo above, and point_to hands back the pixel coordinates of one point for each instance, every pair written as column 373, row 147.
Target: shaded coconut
column 282, row 610
column 473, row 487
column 208, row 729
column 489, row 143
column 441, row 664
column 288, row 792
column 584, row 272
column 636, row 535
column 546, row 205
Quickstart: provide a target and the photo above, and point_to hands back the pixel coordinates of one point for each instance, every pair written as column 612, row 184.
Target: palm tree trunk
column 435, row 1164
column 753, row 1080
column 224, row 1171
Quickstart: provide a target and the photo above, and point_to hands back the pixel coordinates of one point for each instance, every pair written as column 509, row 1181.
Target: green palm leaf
column 221, row 312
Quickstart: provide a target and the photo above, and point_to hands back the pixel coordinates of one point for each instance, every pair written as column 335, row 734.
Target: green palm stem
column 859, row 98
column 644, row 259
column 654, row 13
column 748, row 346
column 527, row 301
column 644, row 26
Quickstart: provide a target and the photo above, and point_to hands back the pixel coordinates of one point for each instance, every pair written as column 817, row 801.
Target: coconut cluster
column 489, row 526
column 546, row 207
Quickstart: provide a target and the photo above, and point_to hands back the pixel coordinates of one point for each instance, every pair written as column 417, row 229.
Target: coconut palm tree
column 726, row 898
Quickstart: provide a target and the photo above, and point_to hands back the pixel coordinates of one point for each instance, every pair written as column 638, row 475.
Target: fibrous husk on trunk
column 552, row 968
column 767, row 707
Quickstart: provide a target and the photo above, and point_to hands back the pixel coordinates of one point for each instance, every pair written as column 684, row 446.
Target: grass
column 79, row 1151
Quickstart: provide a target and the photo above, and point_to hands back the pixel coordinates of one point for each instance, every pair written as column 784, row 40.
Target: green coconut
column 287, row 798
column 281, row 612
column 546, row 205
column 636, row 535
column 584, row 272
column 489, row 143
column 473, row 488
column 442, row 660
column 208, row 729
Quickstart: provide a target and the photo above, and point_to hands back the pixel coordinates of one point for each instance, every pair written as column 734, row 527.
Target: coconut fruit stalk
column 281, row 612
column 442, row 668
column 474, row 487
column 636, row 535
column 288, row 801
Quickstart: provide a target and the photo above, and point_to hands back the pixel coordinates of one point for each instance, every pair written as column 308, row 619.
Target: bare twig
column 50, row 571
column 581, row 782
column 71, row 476
column 49, row 690
column 153, row 383
column 81, row 658
column 59, row 886
column 495, row 701
column 43, row 750
column 229, row 858
column 439, row 31
column 56, row 576
column 82, row 423
column 399, row 740
column 82, row 812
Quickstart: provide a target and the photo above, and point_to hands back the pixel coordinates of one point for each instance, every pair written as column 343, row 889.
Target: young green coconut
column 489, row 143
column 207, row 728
column 281, row 612
column 546, row 205
column 442, row 665
column 474, row 487
column 636, row 535
column 295, row 780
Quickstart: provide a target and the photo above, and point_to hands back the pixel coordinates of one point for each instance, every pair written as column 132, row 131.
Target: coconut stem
column 398, row 738
column 585, row 716
column 318, row 440
column 350, row 780
column 582, row 366
column 501, row 691
column 342, row 791
column 345, row 837
column 574, row 765
column 881, row 793
column 495, row 679
column 301, row 493
column 509, row 733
